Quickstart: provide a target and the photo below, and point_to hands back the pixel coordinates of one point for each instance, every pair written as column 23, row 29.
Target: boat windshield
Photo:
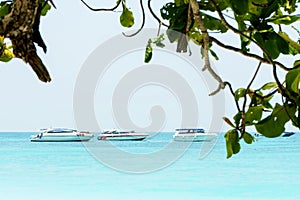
column 190, row 130
column 118, row 132
column 61, row 131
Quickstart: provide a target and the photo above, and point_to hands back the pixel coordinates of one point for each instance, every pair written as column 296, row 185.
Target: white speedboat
column 193, row 135
column 61, row 135
column 116, row 135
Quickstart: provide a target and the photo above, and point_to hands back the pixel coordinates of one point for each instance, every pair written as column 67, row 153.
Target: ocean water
column 266, row 169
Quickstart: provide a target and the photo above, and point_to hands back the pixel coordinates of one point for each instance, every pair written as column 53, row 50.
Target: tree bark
column 21, row 26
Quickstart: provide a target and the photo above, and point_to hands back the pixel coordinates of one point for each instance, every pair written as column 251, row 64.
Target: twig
column 250, row 55
column 269, row 58
column 245, row 101
column 232, row 92
column 143, row 21
column 154, row 15
column 102, row 9
column 205, row 37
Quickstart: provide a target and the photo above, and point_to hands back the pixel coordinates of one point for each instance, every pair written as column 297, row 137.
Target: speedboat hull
column 61, row 139
column 61, row 135
column 126, row 136
column 194, row 137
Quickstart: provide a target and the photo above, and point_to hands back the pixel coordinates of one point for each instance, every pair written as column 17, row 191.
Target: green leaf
column 6, row 56
column 297, row 63
column 4, row 10
column 228, row 122
column 181, row 2
column 214, row 54
column 294, row 45
column 214, row 24
column 232, row 142
column 241, row 92
column 237, row 118
column 126, row 18
column 45, row 9
column 272, row 43
column 269, row 86
column 239, row 7
column 148, row 52
column 284, row 19
column 253, row 115
column 273, row 125
column 248, row 138
column 158, row 41
column 292, row 79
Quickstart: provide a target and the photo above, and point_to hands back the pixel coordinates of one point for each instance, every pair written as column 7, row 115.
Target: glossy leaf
column 284, row 19
column 45, row 9
column 297, row 63
column 158, row 41
column 253, row 115
column 268, row 86
column 4, row 10
column 6, row 56
column 240, row 7
column 214, row 54
column 248, row 138
column 294, row 45
column 148, row 52
column 214, row 24
column 273, row 125
column 237, row 118
column 241, row 92
column 126, row 18
column 232, row 142
column 272, row 43
column 293, row 80
column 181, row 2
column 228, row 122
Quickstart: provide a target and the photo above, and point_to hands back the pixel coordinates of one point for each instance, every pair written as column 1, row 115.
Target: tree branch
column 154, row 15
column 102, row 9
column 245, row 101
column 205, row 38
column 269, row 58
column 143, row 21
column 232, row 92
column 21, row 27
column 250, row 55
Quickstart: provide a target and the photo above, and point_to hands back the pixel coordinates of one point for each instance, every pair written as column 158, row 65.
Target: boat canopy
column 190, row 130
column 61, row 130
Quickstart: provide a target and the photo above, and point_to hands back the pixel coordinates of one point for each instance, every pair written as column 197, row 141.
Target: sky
column 74, row 36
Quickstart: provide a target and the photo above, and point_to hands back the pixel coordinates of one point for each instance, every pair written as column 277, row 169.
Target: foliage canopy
column 260, row 24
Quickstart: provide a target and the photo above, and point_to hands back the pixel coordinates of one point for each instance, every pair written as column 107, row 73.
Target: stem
column 102, row 9
column 205, row 38
column 143, row 21
column 243, row 126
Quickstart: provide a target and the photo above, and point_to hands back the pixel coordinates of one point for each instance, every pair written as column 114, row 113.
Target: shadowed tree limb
column 206, row 40
column 102, row 9
column 21, row 26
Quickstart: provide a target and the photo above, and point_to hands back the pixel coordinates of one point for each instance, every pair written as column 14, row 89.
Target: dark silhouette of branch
column 250, row 55
column 205, row 37
column 269, row 58
column 154, row 15
column 102, row 9
column 243, row 125
column 51, row 3
column 232, row 92
column 21, row 26
column 143, row 21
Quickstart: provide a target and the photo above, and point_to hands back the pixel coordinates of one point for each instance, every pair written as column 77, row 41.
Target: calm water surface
column 267, row 169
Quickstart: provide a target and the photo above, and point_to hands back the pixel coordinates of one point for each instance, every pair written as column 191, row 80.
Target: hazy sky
column 72, row 33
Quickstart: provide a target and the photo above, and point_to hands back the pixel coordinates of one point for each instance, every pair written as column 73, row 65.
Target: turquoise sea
column 267, row 169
